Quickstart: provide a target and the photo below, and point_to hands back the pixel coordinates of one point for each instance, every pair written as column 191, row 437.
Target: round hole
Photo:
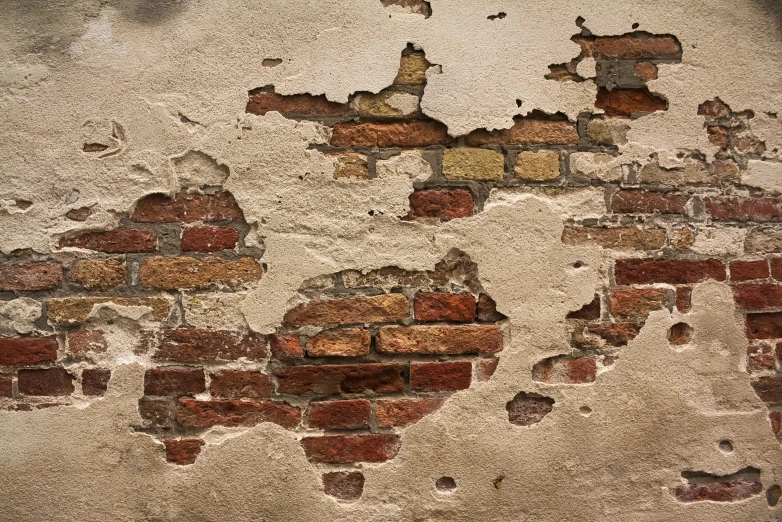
column 445, row 484
column 725, row 446
column 585, row 411
column 635, row 25
column 679, row 334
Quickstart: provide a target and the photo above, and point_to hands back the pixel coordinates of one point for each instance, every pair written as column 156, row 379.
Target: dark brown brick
column 339, row 415
column 171, row 380
column 342, row 378
column 383, row 135
column 439, row 339
column 187, row 208
column 637, row 45
column 745, row 209
column 42, row 275
column 344, row 449
column 344, row 485
column 51, row 381
column 643, row 202
column 95, row 381
column 6, row 386
column 714, row 109
column 526, row 409
column 444, row 204
column 758, row 296
column 433, row 307
column 240, row 384
column 440, row 376
column 404, row 412
column 683, row 298
column 720, row 490
column 776, row 268
column 184, row 345
column 769, row 388
column 182, row 451
column 748, row 270
column 637, row 302
column 590, row 311
column 764, row 326
column 625, row 102
column 205, row 414
column 350, row 310
column 17, row 351
column 82, row 342
column 293, row 104
column 286, row 347
column 209, row 239
column 487, row 310
column 157, row 412
column 117, row 241
column 527, row 131
column 684, row 271
column 615, row 334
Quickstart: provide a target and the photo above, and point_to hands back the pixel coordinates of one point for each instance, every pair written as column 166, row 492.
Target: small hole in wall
column 499, row 15
column 772, row 495
column 498, row 482
column 580, row 21
column 446, row 484
column 578, row 264
column 518, row 103
column 679, row 334
column 586, row 411
column 635, row 25
column 725, row 446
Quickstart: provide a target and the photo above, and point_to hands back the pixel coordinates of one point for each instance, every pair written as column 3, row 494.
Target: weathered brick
column 762, row 241
column 764, row 325
column 775, row 417
column 776, row 268
column 745, row 209
column 286, row 347
column 186, row 208
column 589, row 311
column 387, row 105
column 758, row 296
column 42, row 275
column 339, row 415
column 404, row 412
column 439, row 339
column 16, row 351
column 683, row 298
column 51, row 382
column 637, row 45
column 350, row 165
column 440, row 376
column 98, row 274
column 646, row 71
column 721, row 489
column 769, row 388
column 444, row 204
column 487, row 310
column 186, row 345
column 563, row 369
column 6, row 386
column 412, row 69
column 340, row 342
column 714, row 109
column 473, row 164
column 625, row 102
column 205, row 414
column 616, row 238
column 526, row 131
column 541, row 165
column 293, row 104
column 460, row 308
column 748, row 270
column 117, row 241
column 416, row 133
column 691, row 172
column 182, row 451
column 75, row 310
column 209, row 239
column 343, row 378
column 679, row 334
column 676, row 272
column 615, row 334
column 171, row 380
column 643, row 202
column 174, row 273
column 718, row 136
column 637, row 302
column 157, row 412
column 344, row 485
column 760, row 358
column 526, row 409
column 344, row 449
column 240, row 384
column 95, row 381
column 350, row 310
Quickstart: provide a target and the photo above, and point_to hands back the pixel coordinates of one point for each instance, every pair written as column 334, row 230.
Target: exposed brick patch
column 764, row 326
column 643, row 202
column 404, row 412
column 527, row 131
column 487, row 310
column 240, row 384
column 286, row 347
column 758, row 296
column 632, row 45
column 563, row 369
column 442, row 204
column 440, row 376
column 590, row 311
column 185, row 345
column 205, row 414
column 776, row 268
column 352, row 310
column 775, row 418
column 174, row 381
column 157, row 412
column 50, row 382
column 439, row 339
column 43, row 275
column 485, row 368
column 679, row 334
column 118, row 241
column 339, row 415
column 344, row 449
column 305, row 105
column 186, row 208
column 745, row 209
column 95, row 381
column 637, row 302
column 433, row 307
column 402, row 134
column 616, row 334
column 615, row 238
column 714, row 109
column 676, row 272
column 413, row 66
column 173, row 273
column 683, row 298
column 98, row 274
column 627, row 102
column 345, row 378
column 760, row 358
column 748, row 270
column 16, row 351
column 182, row 451
column 526, row 409
column 729, row 488
column 769, row 388
column 75, row 310
column 6, row 386
column 209, row 239
column 344, row 485
column 341, row 342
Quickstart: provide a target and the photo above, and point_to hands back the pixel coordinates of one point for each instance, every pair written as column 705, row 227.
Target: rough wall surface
column 390, row 260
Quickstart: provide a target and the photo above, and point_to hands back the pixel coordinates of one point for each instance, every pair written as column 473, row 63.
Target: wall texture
column 391, row 260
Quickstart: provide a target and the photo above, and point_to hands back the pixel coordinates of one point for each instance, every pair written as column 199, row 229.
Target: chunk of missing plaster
column 526, row 409
column 195, row 169
column 564, row 369
column 589, row 311
column 702, row 486
column 409, row 6
column 344, row 485
column 271, row 62
column 773, row 494
column 183, row 451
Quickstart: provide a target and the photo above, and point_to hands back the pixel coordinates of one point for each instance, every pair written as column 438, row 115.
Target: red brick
column 440, row 376
column 185, row 345
column 82, row 342
column 187, row 208
column 643, row 202
column 95, row 381
column 758, row 296
column 439, row 339
column 714, row 109
column 340, row 342
column 444, row 204
column 344, row 485
column 563, row 369
column 745, row 209
column 339, row 415
column 344, row 449
column 721, row 490
column 527, row 131
column 526, row 409
column 769, row 388
column 51, row 381
column 775, row 417
column 679, row 334
column 675, row 272
column 286, row 347
column 764, row 326
column 6, row 386
column 350, row 310
column 293, row 105
column 760, row 358
column 174, row 381
column 343, row 378
column 209, row 239
column 183, row 451
column 636, row 46
column 487, row 310
column 117, row 241
column 624, row 102
column 748, row 270
column 776, row 268
column 485, row 368
column 42, row 275
column 176, row 273
column 240, row 384
column 383, row 135
column 432, row 307
column 404, row 412
column 205, row 414
column 16, row 351
column 590, row 311
column 637, row 302
column 616, row 334
column 683, row 298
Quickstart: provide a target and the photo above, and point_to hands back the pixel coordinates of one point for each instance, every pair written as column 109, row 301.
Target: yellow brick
column 473, row 164
column 74, row 310
column 350, row 165
column 412, row 70
column 537, row 166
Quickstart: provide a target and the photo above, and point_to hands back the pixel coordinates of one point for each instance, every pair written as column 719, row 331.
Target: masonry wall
column 391, row 260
